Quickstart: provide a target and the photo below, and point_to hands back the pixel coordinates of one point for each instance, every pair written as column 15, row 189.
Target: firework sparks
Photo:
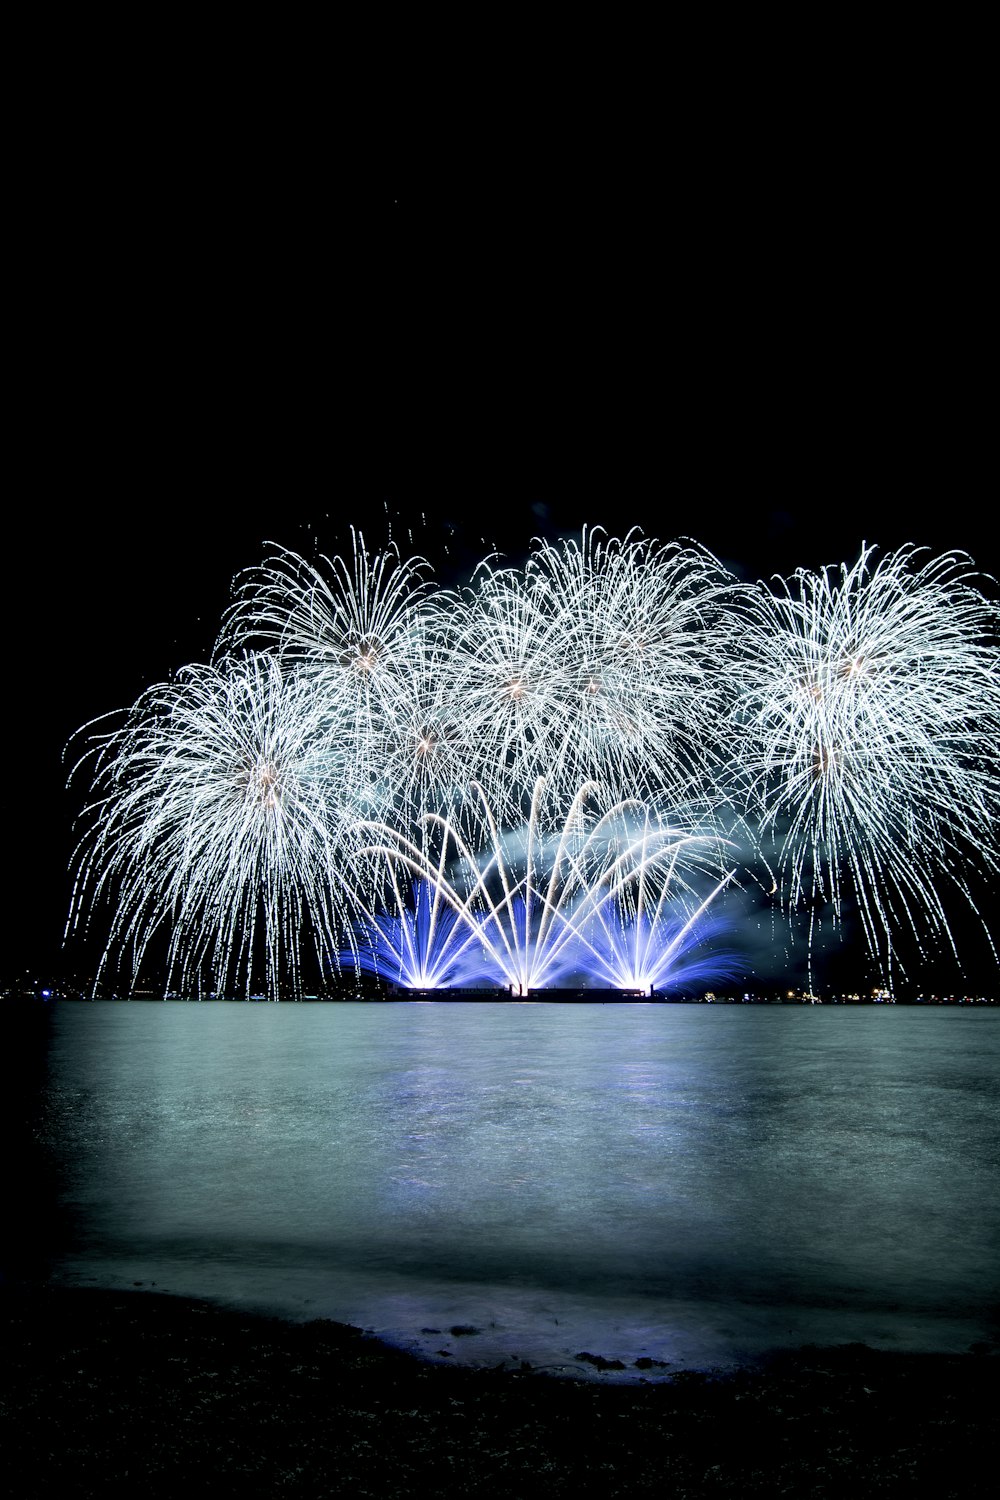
column 529, row 906
column 353, row 620
column 358, row 770
column 605, row 659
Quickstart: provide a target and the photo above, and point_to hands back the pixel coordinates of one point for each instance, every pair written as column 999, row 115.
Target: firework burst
column 352, row 621
column 868, row 729
column 213, row 821
column 604, row 659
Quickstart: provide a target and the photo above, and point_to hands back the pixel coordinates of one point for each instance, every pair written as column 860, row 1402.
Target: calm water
column 692, row 1183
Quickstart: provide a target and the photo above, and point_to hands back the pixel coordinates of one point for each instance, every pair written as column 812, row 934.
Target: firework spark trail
column 651, row 936
column 420, row 941
column 660, row 952
column 213, row 818
column 868, row 730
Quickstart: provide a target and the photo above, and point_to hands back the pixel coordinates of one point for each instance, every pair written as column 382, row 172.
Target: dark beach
column 109, row 1393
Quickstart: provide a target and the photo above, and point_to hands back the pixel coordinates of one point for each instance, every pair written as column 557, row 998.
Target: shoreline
column 105, row 1389
column 532, row 997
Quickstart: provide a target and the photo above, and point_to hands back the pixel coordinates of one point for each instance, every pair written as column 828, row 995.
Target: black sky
column 771, row 345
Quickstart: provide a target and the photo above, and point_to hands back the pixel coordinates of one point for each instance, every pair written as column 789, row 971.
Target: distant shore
column 106, row 1392
column 503, row 996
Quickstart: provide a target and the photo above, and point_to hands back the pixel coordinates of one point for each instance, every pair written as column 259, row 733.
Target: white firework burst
column 213, row 823
column 353, row 625
column 352, row 619
column 604, row 659
column 361, row 630
column 867, row 734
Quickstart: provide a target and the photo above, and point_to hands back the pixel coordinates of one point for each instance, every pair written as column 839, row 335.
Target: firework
column 867, row 732
column 531, row 905
column 420, row 939
column 368, row 635
column 648, row 939
column 213, row 821
column 661, row 951
column 605, row 659
column 352, row 621
column 518, row 780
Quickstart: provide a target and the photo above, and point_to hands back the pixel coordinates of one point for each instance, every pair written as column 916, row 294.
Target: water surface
column 693, row 1184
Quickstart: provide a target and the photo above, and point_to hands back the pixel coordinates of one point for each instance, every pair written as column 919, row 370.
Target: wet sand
column 108, row 1393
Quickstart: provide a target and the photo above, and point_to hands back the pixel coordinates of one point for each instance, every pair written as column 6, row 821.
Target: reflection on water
column 692, row 1184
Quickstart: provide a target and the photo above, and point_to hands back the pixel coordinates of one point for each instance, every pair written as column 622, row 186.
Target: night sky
column 229, row 349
